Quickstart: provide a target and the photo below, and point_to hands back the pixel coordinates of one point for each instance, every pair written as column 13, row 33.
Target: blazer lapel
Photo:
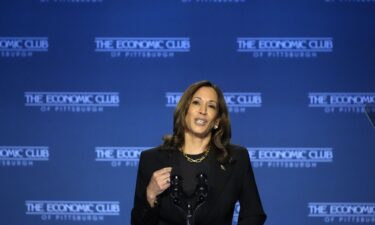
column 218, row 178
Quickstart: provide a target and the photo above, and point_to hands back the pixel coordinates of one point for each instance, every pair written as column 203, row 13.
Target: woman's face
column 202, row 113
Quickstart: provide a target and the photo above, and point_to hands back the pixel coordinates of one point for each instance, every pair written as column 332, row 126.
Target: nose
column 203, row 109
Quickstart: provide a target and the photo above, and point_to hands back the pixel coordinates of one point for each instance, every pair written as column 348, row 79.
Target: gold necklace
column 196, row 160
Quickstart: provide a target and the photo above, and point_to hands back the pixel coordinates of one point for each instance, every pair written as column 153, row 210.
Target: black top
column 190, row 170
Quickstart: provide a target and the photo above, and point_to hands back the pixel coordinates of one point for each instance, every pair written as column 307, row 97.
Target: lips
column 200, row 121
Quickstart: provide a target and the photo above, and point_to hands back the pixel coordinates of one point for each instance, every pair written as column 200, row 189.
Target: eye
column 195, row 102
column 212, row 106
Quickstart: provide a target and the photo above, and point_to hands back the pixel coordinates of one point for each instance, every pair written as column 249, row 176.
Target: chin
column 201, row 134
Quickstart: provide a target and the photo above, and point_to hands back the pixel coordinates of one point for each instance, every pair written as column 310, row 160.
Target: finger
column 166, row 170
column 169, row 169
column 161, row 171
column 166, row 180
column 165, row 186
column 164, row 176
column 162, row 184
column 162, row 180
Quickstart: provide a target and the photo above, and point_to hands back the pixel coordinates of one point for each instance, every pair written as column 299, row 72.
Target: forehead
column 206, row 93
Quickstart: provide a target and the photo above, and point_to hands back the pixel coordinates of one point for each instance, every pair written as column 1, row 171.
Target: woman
column 209, row 174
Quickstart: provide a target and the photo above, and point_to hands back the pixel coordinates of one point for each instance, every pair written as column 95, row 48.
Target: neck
column 195, row 145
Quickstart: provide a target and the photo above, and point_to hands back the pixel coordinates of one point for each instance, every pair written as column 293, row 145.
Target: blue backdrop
column 86, row 85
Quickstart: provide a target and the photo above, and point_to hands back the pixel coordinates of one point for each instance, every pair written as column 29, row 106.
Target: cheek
column 188, row 119
column 214, row 115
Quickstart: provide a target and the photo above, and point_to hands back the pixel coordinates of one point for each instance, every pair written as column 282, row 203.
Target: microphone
column 185, row 202
column 201, row 190
column 176, row 191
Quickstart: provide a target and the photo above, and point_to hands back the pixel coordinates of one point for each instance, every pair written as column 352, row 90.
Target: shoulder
column 155, row 153
column 150, row 152
column 238, row 154
column 237, row 151
column 153, row 159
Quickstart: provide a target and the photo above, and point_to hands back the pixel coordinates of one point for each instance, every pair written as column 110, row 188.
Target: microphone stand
column 181, row 200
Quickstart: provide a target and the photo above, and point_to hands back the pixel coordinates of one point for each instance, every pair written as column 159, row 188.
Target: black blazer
column 227, row 184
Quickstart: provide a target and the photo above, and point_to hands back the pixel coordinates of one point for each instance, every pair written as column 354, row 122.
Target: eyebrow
column 208, row 100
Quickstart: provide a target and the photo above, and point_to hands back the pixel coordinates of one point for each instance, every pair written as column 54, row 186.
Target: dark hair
column 221, row 136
